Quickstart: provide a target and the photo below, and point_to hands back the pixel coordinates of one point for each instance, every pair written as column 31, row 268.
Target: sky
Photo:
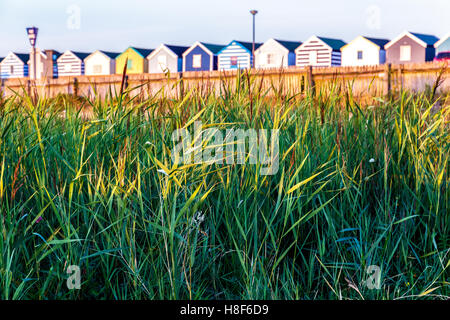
column 112, row 25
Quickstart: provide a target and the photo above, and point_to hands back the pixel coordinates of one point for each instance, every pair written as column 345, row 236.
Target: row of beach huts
column 408, row 47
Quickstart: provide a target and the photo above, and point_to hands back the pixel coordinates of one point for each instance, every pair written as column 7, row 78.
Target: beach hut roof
column 109, row 54
column 143, row 52
column 80, row 55
column 214, row 48
column 290, row 45
column 427, row 38
column 423, row 39
column 245, row 45
column 379, row 42
column 24, row 57
column 178, row 50
column 335, row 44
column 57, row 53
column 443, row 39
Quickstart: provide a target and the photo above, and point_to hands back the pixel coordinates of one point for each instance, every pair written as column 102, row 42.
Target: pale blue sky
column 114, row 25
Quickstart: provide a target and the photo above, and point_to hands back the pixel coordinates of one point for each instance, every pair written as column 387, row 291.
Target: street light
column 253, row 12
column 32, row 36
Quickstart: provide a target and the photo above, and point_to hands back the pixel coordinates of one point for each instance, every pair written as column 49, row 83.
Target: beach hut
column 137, row 60
column 71, row 63
column 50, row 64
column 100, row 63
column 236, row 55
column 319, row 52
column 46, row 64
column 443, row 48
column 201, row 57
column 411, row 47
column 14, row 65
column 166, row 58
column 276, row 53
column 364, row 51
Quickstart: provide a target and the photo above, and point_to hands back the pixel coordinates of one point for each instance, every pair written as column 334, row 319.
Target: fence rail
column 363, row 81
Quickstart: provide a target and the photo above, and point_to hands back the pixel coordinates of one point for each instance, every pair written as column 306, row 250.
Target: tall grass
column 92, row 183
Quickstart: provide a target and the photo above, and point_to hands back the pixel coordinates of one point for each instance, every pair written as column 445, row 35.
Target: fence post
column 180, row 85
column 47, row 86
column 388, row 80
column 310, row 80
column 29, row 88
column 75, row 87
column 2, row 87
column 400, row 77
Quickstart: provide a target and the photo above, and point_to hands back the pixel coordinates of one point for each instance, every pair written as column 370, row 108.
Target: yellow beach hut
column 137, row 62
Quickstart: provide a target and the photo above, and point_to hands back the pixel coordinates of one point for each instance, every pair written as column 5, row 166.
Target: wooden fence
column 363, row 81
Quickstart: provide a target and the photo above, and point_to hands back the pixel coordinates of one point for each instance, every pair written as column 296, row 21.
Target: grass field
column 91, row 183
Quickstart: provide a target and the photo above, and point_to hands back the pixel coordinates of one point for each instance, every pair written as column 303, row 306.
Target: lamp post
column 253, row 12
column 32, row 36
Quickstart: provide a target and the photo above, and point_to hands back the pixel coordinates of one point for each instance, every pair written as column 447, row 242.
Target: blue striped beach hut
column 14, row 65
column 237, row 55
column 71, row 63
column 201, row 57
